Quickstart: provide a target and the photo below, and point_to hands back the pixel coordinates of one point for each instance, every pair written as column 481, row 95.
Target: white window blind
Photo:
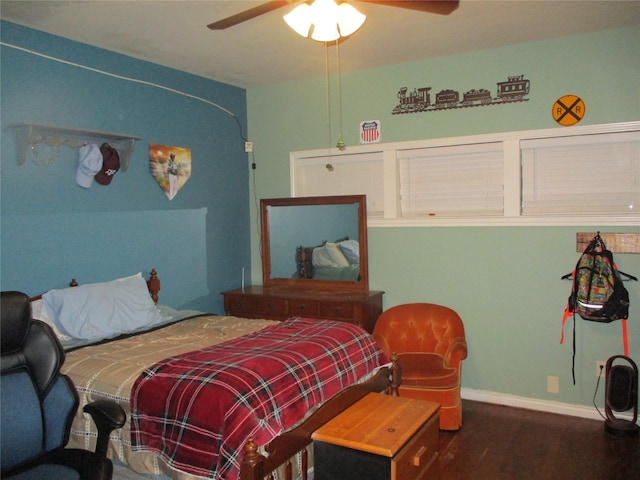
column 586, row 174
column 463, row 180
column 347, row 174
column 581, row 175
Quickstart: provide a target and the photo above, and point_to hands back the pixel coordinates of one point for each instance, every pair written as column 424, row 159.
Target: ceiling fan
column 441, row 7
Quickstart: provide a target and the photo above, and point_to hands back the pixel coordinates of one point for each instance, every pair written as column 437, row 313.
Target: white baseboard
column 537, row 404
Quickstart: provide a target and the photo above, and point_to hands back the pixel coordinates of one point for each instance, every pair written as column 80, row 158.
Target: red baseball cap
column 110, row 164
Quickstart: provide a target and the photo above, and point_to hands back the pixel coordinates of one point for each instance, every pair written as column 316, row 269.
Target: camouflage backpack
column 597, row 294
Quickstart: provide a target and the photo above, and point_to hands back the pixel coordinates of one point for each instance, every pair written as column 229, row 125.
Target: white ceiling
column 265, row 50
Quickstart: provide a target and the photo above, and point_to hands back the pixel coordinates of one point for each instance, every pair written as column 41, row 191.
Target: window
column 591, row 174
column 586, row 175
column 349, row 174
column 464, row 180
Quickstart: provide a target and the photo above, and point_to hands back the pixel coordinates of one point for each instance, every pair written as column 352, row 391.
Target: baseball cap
column 110, row 164
column 89, row 163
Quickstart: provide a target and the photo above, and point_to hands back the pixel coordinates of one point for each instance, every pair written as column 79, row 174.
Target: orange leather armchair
column 430, row 342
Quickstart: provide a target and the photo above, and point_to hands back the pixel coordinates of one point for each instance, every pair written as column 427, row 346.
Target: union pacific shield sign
column 370, row 131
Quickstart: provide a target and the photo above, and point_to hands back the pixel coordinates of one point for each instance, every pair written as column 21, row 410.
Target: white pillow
column 102, row 310
column 139, row 274
column 39, row 311
column 329, row 255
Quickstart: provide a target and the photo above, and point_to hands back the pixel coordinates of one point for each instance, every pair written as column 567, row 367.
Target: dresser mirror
column 315, row 242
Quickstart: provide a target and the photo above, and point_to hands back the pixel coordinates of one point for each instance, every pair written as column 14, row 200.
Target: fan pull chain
column 340, row 144
column 328, row 96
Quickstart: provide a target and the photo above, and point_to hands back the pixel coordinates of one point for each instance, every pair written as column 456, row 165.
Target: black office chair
column 38, row 404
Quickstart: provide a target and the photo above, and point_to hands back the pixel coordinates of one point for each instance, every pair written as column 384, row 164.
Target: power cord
column 596, row 392
column 134, row 80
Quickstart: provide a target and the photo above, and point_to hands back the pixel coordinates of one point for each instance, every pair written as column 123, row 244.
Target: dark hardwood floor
column 497, row 443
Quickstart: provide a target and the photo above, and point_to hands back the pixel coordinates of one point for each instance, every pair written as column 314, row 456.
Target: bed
column 163, row 371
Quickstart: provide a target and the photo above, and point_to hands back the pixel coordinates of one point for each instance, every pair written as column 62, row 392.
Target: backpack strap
column 573, row 355
column 625, row 337
column 567, row 314
column 625, row 333
column 568, row 310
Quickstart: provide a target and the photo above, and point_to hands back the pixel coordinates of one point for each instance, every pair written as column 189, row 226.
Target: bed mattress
column 109, row 370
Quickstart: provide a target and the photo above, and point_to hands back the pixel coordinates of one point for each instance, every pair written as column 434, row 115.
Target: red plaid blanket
column 197, row 410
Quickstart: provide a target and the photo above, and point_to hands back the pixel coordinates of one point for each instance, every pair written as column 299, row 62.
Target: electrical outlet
column 248, row 147
column 553, row 384
column 600, row 368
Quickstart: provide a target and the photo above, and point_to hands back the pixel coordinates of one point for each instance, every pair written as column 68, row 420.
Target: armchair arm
column 107, row 415
column 456, row 352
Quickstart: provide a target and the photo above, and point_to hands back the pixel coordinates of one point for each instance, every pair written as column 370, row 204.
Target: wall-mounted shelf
column 29, row 135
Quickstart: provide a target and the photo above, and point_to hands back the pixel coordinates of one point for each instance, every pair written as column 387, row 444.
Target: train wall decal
column 514, row 89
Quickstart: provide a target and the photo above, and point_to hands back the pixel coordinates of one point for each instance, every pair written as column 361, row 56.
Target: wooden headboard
column 153, row 284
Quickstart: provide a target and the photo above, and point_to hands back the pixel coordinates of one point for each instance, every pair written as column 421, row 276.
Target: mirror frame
column 307, row 283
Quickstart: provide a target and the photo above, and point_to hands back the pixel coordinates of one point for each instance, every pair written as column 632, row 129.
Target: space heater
column 621, row 395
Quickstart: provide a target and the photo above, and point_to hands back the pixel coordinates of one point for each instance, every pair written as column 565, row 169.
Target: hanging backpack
column 597, row 294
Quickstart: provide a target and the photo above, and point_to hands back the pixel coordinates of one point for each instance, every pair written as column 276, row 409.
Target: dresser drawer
column 417, row 459
column 271, row 304
column 234, row 304
column 243, row 304
column 303, row 307
column 343, row 310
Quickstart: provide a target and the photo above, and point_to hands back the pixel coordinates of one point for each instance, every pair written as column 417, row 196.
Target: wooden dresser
column 379, row 438
column 280, row 303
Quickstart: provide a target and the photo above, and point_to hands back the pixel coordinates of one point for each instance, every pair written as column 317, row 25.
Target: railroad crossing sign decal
column 568, row 110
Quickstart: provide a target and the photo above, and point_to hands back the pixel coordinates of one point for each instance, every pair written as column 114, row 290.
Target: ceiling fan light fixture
column 299, row 19
column 325, row 20
column 349, row 19
column 325, row 32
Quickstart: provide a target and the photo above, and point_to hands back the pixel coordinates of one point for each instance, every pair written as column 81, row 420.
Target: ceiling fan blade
column 441, row 7
column 248, row 14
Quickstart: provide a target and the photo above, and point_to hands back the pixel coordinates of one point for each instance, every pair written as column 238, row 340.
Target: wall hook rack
column 615, row 242
column 29, row 135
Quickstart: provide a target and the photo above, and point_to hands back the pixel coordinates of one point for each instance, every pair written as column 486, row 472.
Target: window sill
column 530, row 221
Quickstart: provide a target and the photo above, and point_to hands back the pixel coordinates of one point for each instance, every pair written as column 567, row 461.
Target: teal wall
column 504, row 281
column 54, row 230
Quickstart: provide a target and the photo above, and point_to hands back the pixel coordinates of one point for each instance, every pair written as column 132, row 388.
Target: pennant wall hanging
column 170, row 166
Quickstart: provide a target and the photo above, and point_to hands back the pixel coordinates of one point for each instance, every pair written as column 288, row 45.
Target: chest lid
column 378, row 424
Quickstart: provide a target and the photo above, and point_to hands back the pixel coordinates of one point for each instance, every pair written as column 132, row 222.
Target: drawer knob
column 418, row 456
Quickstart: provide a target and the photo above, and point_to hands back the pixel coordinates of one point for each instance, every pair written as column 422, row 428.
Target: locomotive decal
column 515, row 89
